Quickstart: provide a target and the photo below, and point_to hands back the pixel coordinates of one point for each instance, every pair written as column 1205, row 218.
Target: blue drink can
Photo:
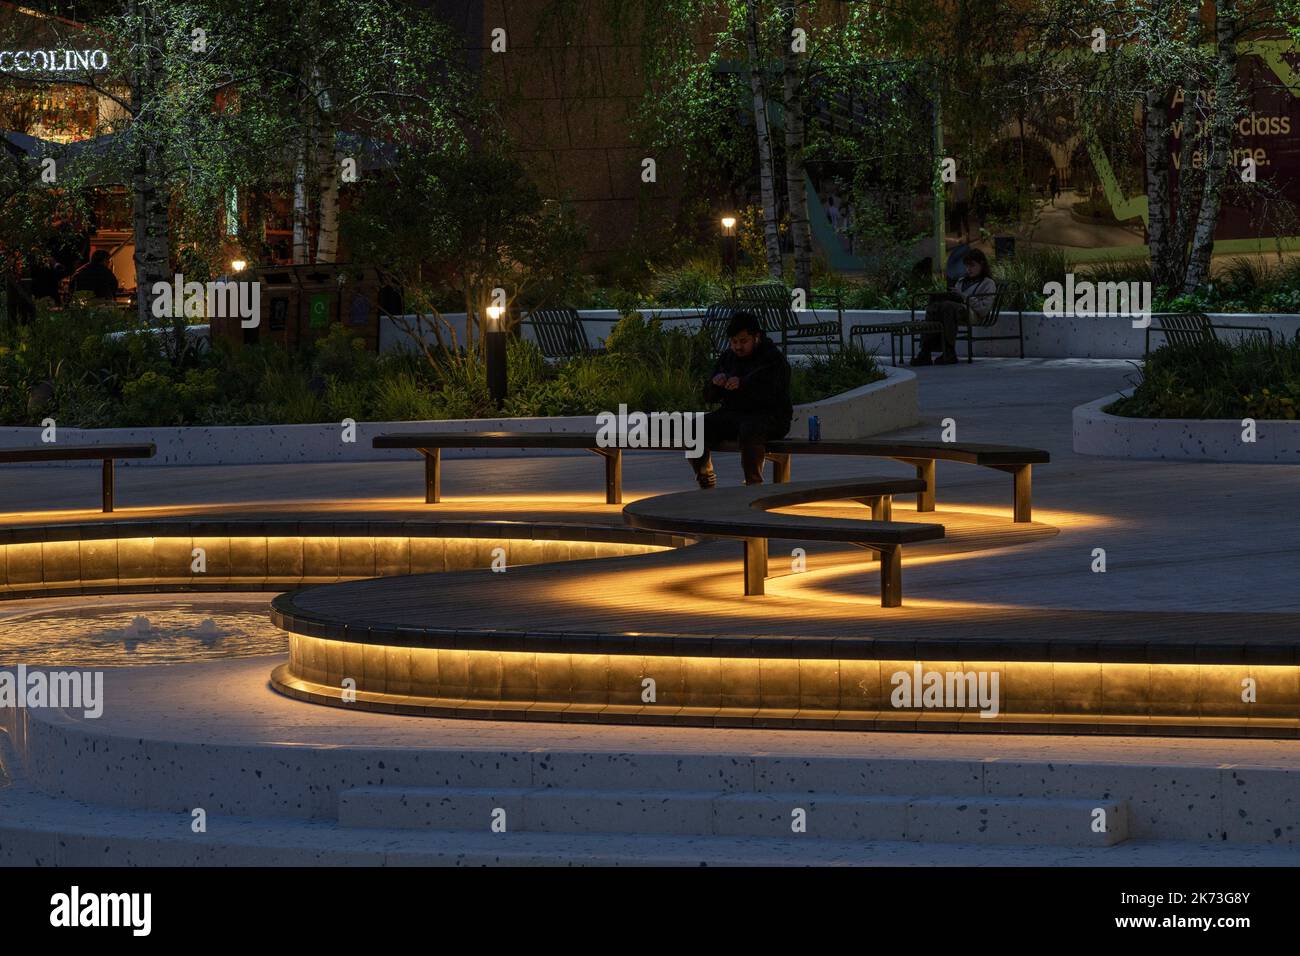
column 814, row 428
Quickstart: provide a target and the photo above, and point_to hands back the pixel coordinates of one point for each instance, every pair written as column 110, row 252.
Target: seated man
column 752, row 381
column 95, row 277
column 971, row 296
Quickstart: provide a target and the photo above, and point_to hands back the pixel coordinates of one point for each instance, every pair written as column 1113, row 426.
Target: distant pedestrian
column 971, row 298
column 1054, row 185
column 833, row 212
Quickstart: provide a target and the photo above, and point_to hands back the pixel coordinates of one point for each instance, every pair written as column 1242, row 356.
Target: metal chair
column 1193, row 328
column 560, row 332
column 771, row 302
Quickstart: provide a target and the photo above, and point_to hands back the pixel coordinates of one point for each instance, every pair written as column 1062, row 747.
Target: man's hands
column 730, row 384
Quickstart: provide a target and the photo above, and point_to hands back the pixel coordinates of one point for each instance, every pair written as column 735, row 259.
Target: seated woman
column 971, row 297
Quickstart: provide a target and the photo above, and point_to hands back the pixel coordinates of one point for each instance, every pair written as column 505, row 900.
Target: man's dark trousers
column 752, row 430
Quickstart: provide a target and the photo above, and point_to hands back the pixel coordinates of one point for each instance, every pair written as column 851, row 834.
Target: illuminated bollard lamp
column 495, row 341
column 729, row 251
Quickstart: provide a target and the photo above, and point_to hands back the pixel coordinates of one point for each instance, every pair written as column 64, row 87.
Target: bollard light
column 729, row 250
column 495, row 340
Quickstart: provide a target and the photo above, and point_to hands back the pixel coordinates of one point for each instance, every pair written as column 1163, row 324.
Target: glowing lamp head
column 494, row 313
column 728, row 225
column 239, row 265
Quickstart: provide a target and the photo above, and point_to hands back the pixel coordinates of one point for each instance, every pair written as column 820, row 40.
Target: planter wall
column 1181, row 439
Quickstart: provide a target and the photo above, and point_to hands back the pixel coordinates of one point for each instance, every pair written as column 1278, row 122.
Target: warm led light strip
column 263, row 562
column 1050, row 697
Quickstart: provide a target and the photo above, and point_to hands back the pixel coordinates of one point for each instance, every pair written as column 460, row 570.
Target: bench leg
column 882, row 507
column 108, row 484
column 891, row 576
column 780, row 468
column 613, row 475
column 432, row 475
column 1024, row 500
column 755, row 565
column 924, row 472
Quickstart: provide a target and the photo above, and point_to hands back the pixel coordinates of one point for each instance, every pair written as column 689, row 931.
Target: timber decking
column 684, row 602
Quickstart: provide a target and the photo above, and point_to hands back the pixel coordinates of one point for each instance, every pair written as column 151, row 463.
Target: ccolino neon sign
column 52, row 61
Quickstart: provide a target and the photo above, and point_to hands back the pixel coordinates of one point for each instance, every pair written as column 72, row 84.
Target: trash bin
column 299, row 304
column 359, row 291
column 277, row 304
column 1004, row 247
column 279, row 309
column 318, row 301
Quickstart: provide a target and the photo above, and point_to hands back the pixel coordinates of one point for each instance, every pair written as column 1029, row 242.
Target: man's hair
column 743, row 322
column 101, row 255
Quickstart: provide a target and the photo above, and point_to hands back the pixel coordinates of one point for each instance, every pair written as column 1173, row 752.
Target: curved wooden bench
column 744, row 512
column 920, row 454
column 1016, row 460
column 430, row 445
column 105, row 453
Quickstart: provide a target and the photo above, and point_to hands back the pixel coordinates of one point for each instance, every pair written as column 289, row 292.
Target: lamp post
column 496, row 354
column 729, row 251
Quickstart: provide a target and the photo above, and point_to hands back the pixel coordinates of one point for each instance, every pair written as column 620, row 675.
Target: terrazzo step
column 1009, row 821
column 929, row 819
column 38, row 830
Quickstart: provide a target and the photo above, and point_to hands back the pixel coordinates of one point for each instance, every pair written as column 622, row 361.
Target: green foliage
column 1023, row 276
column 834, row 371
column 695, row 282
column 1246, row 379
column 472, row 221
column 68, row 366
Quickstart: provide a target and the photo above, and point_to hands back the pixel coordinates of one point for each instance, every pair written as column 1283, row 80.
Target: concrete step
column 1010, row 821
column 39, row 830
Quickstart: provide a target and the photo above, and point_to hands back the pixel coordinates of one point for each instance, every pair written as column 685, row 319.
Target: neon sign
column 52, row 61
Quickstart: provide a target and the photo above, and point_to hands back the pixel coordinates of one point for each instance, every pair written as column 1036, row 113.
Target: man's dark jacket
column 95, row 278
column 764, row 382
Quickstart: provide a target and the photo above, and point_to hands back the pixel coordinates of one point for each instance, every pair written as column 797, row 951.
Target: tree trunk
column 767, row 189
column 796, row 190
column 150, row 215
column 303, row 161
column 301, row 212
column 152, row 227
column 1155, row 125
column 327, row 173
column 1218, row 156
column 327, row 235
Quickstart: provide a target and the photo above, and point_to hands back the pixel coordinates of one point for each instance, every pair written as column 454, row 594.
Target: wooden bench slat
column 921, row 454
column 977, row 453
column 488, row 440
column 57, row 452
column 740, row 513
